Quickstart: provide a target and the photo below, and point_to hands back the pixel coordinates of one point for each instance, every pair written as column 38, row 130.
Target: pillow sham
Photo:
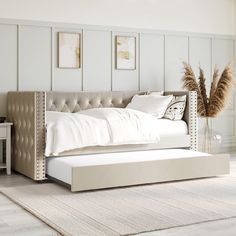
column 154, row 105
column 159, row 93
column 175, row 109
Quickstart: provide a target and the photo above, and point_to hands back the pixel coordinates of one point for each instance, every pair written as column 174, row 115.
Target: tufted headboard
column 76, row 101
column 26, row 110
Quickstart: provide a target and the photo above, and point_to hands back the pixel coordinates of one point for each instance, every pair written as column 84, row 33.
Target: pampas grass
column 220, row 89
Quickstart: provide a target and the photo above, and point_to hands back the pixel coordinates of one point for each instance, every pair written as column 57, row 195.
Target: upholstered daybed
column 98, row 167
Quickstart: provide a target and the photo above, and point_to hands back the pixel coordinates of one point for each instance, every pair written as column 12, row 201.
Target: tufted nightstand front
column 5, row 134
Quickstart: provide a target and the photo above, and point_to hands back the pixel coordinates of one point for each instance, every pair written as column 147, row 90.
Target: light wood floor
column 14, row 220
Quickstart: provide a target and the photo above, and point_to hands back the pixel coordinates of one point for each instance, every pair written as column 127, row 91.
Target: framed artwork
column 68, row 50
column 125, row 52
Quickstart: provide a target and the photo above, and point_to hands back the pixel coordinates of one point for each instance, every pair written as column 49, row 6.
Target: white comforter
column 99, row 126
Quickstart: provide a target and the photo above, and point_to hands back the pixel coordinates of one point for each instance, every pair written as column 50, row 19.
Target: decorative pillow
column 159, row 93
column 175, row 110
column 154, row 105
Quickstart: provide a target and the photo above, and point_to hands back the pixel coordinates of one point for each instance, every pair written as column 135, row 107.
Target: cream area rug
column 127, row 211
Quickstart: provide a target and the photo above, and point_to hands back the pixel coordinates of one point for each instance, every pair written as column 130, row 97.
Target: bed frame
column 26, row 110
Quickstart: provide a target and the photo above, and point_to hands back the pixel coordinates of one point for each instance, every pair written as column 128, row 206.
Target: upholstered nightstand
column 5, row 134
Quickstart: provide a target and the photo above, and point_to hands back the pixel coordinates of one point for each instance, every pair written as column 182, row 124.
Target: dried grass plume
column 220, row 89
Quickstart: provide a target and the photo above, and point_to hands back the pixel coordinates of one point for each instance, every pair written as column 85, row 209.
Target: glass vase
column 209, row 140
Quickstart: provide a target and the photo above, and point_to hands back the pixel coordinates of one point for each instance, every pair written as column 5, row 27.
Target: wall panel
column 64, row 79
column 8, row 57
column 200, row 55
column 223, row 53
column 34, row 58
column 125, row 79
column 176, row 51
column 151, row 62
column 8, row 62
column 97, row 60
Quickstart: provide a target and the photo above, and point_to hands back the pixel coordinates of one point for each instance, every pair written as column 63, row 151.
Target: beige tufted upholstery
column 27, row 112
column 74, row 102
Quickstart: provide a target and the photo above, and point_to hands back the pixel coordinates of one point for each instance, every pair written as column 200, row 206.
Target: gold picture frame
column 69, row 50
column 125, row 52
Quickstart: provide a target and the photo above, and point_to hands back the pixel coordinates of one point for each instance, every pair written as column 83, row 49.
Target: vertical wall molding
column 112, row 60
column 164, row 64
column 18, row 57
column 188, row 49
column 82, row 61
column 138, row 59
column 52, row 58
column 211, row 56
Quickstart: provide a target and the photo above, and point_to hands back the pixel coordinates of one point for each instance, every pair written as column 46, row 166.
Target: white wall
column 204, row 16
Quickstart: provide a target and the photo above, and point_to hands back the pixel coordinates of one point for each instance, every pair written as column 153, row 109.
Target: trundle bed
column 174, row 157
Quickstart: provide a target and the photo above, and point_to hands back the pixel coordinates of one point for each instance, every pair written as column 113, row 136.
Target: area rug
column 127, row 211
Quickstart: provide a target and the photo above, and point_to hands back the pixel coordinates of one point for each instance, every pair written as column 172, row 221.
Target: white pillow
column 160, row 93
column 154, row 105
column 175, row 110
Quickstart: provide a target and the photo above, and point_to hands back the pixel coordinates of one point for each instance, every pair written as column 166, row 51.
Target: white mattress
column 61, row 167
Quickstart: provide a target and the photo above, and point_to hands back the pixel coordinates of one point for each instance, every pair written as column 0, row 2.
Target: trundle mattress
column 96, row 171
column 61, row 167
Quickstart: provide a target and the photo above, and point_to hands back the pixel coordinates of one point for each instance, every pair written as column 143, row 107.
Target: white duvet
column 99, row 127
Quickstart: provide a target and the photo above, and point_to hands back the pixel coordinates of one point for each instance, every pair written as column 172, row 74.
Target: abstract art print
column 125, row 52
column 68, row 50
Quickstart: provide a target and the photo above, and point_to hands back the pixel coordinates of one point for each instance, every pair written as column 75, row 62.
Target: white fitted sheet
column 61, row 167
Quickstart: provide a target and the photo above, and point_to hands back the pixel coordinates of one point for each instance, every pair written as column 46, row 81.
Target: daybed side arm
column 190, row 115
column 26, row 110
column 193, row 120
